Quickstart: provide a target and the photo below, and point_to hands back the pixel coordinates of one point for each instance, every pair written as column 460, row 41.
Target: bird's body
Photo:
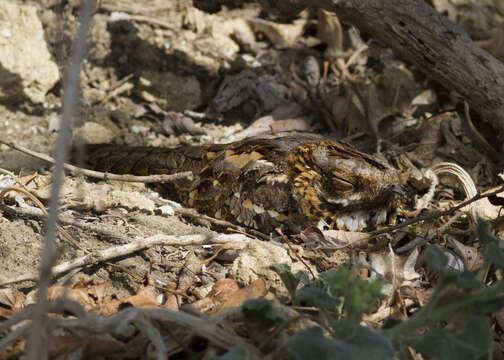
column 290, row 181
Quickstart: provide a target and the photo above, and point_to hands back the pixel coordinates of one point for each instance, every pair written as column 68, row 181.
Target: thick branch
column 441, row 49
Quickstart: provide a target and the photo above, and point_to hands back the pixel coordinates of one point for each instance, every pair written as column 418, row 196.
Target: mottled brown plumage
column 289, row 181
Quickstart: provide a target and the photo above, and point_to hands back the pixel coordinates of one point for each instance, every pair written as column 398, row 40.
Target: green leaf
column 290, row 280
column 475, row 342
column 488, row 307
column 261, row 313
column 371, row 345
column 312, row 344
column 239, row 352
column 316, row 297
column 358, row 294
column 338, row 280
column 495, row 254
column 484, row 231
column 436, row 259
column 467, row 280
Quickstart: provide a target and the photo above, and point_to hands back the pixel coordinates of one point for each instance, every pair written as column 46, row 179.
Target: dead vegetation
column 131, row 274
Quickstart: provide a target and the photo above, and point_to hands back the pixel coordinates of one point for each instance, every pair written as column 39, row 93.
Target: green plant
column 341, row 297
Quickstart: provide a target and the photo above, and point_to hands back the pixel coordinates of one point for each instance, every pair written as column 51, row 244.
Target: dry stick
column 116, row 89
column 37, row 338
column 124, row 323
column 13, row 177
column 437, row 214
column 134, row 9
column 286, row 241
column 475, row 134
column 137, row 245
column 101, row 175
column 39, row 215
column 25, row 191
column 219, row 222
column 41, row 207
column 423, row 36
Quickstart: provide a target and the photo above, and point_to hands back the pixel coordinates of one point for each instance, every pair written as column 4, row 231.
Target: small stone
column 167, row 210
column 54, row 124
column 94, row 133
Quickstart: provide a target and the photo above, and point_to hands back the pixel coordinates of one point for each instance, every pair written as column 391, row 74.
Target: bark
column 441, row 49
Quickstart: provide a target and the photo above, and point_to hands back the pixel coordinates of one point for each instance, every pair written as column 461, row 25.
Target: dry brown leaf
column 145, row 297
column 172, row 303
column 86, row 293
column 255, row 290
column 258, row 127
column 220, row 293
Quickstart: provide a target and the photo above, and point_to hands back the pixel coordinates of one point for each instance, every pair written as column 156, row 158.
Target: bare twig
column 135, row 9
column 37, row 339
column 475, row 134
column 65, row 220
column 129, row 14
column 437, row 214
column 231, row 240
column 179, row 209
column 42, row 208
column 101, row 175
column 286, row 241
column 129, row 321
column 117, row 89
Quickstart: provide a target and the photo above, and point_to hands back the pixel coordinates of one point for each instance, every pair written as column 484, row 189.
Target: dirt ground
column 150, row 62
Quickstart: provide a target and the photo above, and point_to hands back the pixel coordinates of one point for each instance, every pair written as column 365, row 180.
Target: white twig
column 37, row 339
column 231, row 240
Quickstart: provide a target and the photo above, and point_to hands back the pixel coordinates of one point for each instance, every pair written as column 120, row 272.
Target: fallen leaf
column 255, row 290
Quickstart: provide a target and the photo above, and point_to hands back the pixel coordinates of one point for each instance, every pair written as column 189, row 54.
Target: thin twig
column 13, row 177
column 231, row 240
column 42, row 208
column 65, row 220
column 75, row 170
column 135, row 9
column 38, row 338
column 179, row 209
column 286, row 241
column 480, row 140
column 437, row 214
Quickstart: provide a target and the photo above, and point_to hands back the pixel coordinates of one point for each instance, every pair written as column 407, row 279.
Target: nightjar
column 290, row 181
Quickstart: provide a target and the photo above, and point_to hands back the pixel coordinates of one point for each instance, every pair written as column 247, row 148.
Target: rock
column 94, row 133
column 254, row 262
column 26, row 68
column 171, row 92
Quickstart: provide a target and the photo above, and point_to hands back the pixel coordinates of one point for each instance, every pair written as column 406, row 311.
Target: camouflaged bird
column 289, row 181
